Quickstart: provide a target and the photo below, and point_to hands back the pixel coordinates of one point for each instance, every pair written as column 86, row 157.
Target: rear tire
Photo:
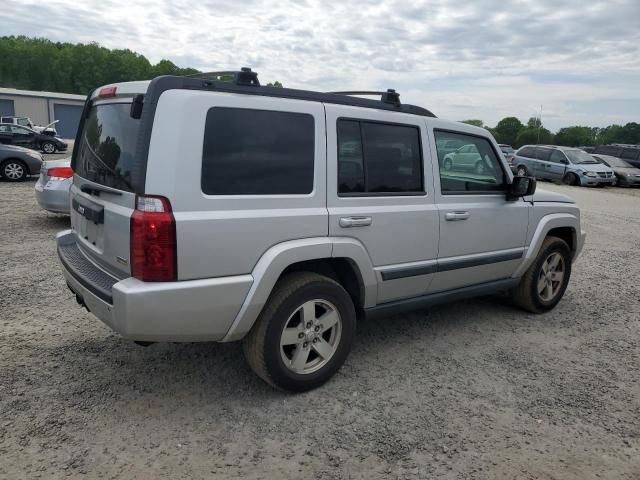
column 480, row 168
column 48, row 147
column 543, row 285
column 304, row 333
column 14, row 170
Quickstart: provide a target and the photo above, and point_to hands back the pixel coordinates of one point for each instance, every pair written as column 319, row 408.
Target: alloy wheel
column 521, row 172
column 48, row 147
column 311, row 336
column 14, row 171
column 551, row 276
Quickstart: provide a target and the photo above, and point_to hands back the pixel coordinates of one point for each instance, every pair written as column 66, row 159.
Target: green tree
column 39, row 64
column 534, row 122
column 508, row 129
column 276, row 84
column 474, row 122
column 575, row 136
column 529, row 136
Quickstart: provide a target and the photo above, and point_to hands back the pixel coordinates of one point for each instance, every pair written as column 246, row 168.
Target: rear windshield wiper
column 107, row 167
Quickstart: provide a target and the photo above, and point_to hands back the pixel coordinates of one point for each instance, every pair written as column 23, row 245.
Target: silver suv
column 218, row 211
column 563, row 164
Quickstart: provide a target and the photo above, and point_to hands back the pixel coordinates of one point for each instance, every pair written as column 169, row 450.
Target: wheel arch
column 344, row 260
column 563, row 225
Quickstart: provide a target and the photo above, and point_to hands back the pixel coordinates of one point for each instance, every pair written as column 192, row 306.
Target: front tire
column 521, row 171
column 448, row 164
column 544, row 283
column 571, row 179
column 304, row 333
column 48, row 147
column 14, row 170
column 480, row 168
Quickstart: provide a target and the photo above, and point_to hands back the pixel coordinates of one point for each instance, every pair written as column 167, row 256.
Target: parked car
column 628, row 153
column 26, row 122
column 562, row 164
column 52, row 187
column 509, row 153
column 245, row 227
column 25, row 137
column 627, row 175
column 17, row 163
column 466, row 157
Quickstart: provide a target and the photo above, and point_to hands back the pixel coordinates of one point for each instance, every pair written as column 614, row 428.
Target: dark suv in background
column 630, row 153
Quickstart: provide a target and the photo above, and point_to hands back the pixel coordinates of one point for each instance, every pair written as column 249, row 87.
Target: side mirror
column 521, row 187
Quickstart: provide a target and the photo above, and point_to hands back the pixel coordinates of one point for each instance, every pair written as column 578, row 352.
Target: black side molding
column 424, row 301
column 403, row 272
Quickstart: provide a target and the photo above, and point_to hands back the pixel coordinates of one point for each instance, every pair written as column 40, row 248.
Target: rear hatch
column 102, row 198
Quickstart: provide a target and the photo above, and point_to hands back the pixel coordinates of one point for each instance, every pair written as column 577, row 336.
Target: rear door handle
column 348, row 222
column 455, row 216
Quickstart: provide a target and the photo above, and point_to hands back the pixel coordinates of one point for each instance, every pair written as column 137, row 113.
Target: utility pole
column 539, row 125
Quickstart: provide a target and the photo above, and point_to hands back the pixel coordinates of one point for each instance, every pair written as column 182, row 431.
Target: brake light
column 153, row 240
column 107, row 92
column 60, row 172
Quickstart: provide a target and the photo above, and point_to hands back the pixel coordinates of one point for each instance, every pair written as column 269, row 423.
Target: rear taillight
column 153, row 240
column 60, row 172
column 107, row 92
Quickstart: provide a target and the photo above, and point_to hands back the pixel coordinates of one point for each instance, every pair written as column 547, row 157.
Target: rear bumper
column 53, row 196
column 186, row 311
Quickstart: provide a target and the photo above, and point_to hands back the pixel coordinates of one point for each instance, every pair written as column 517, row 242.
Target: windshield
column 107, row 146
column 616, row 162
column 578, row 156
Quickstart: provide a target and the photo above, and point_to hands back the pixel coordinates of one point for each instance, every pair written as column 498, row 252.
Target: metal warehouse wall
column 35, row 108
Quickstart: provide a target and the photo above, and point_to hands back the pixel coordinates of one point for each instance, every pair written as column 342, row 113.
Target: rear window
column 257, row 152
column 630, row 153
column 527, row 152
column 107, row 146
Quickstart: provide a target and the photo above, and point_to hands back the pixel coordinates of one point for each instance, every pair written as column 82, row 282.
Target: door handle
column 456, row 216
column 348, row 222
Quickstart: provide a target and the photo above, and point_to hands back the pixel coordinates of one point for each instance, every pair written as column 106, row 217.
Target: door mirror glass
column 521, row 187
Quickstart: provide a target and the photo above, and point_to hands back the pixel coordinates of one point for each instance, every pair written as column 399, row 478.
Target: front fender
column 545, row 225
column 275, row 260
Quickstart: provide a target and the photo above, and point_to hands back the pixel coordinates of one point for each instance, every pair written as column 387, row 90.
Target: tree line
column 40, row 64
column 512, row 131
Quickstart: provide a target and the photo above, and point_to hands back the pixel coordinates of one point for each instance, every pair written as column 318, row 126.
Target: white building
column 44, row 108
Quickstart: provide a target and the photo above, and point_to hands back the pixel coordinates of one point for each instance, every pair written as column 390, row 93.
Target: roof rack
column 390, row 96
column 243, row 77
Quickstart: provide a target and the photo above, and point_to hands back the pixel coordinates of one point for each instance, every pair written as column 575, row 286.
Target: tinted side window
column 630, row 153
column 476, row 171
column 527, row 152
column 350, row 161
column 378, row 158
column 257, row 152
column 557, row 157
column 543, row 153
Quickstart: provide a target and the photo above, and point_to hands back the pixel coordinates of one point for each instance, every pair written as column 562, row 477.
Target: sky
column 576, row 61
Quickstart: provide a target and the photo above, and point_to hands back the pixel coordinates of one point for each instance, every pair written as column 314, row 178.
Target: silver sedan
column 52, row 188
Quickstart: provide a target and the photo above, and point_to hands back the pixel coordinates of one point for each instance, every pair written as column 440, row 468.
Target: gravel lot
column 471, row 390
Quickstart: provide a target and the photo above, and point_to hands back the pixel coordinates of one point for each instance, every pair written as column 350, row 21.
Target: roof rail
column 243, row 77
column 390, row 96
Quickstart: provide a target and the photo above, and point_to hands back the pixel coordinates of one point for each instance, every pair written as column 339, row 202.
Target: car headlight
column 591, row 174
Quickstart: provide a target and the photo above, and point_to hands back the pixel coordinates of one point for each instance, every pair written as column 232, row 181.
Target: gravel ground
column 476, row 389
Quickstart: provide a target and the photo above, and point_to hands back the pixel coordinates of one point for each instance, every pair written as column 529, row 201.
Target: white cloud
column 483, row 59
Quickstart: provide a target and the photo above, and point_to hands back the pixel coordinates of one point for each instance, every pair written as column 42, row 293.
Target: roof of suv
column 555, row 147
column 389, row 100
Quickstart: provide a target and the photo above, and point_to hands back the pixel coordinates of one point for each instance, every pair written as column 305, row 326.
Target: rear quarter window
column 257, row 152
